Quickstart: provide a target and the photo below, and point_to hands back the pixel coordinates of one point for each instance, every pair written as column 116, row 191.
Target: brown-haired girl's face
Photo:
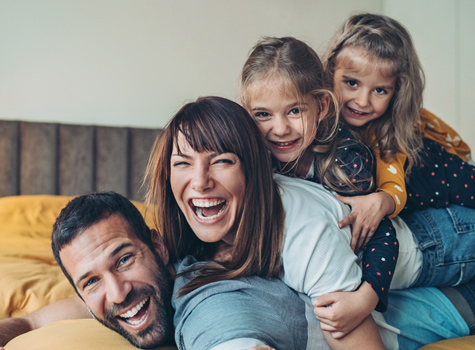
column 363, row 86
column 286, row 122
column 209, row 189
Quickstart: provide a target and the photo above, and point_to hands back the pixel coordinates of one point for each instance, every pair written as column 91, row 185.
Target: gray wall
column 134, row 63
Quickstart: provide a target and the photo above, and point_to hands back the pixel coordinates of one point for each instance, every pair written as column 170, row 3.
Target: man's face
column 124, row 284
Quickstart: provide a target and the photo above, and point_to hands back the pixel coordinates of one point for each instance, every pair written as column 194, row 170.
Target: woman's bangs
column 203, row 136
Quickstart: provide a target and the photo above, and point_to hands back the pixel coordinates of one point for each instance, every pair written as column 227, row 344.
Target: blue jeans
column 446, row 238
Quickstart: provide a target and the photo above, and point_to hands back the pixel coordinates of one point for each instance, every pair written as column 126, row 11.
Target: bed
column 43, row 166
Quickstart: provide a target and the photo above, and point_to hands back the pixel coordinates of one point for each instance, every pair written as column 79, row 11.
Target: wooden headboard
column 64, row 159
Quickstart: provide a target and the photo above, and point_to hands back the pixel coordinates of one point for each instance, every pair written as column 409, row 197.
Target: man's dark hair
column 88, row 209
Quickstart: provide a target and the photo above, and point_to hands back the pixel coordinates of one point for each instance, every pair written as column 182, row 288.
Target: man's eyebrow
column 116, row 251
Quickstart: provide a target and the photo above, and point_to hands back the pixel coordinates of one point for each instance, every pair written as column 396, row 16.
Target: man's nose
column 117, row 289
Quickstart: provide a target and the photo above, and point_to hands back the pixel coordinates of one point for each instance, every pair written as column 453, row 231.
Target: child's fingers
column 347, row 221
column 324, row 300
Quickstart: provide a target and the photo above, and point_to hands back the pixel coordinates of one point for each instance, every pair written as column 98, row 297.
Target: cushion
column 463, row 343
column 72, row 335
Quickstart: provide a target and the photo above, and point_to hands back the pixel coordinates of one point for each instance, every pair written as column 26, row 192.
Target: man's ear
column 324, row 106
column 159, row 246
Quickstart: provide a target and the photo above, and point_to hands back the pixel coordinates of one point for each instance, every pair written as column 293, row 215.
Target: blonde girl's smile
column 209, row 189
column 363, row 87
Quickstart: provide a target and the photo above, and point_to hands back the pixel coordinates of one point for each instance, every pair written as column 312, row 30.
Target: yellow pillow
column 72, row 335
column 29, row 276
column 463, row 343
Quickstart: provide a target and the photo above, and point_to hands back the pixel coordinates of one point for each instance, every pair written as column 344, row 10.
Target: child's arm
column 341, row 312
column 350, row 308
column 390, row 179
column 366, row 215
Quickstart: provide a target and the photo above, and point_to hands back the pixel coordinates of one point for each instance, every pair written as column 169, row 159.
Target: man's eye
column 89, row 282
column 125, row 260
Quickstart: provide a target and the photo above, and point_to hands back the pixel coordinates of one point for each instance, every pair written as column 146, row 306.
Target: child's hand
column 341, row 312
column 366, row 214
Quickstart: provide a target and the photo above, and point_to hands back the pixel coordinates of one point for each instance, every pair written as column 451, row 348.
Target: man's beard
column 159, row 330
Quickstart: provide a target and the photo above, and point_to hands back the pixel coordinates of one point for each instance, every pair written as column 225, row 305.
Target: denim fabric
column 446, row 238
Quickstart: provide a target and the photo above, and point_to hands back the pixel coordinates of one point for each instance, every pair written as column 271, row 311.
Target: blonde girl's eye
column 294, row 111
column 351, row 83
column 261, row 115
column 380, row 91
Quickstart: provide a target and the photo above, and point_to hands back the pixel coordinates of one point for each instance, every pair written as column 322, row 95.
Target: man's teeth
column 134, row 311
column 136, row 322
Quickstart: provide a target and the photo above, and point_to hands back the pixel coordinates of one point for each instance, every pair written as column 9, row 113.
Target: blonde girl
column 379, row 82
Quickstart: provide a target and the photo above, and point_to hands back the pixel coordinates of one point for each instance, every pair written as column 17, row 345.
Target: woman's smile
column 209, row 189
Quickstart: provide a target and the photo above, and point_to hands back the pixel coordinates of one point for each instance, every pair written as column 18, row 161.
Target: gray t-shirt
column 249, row 311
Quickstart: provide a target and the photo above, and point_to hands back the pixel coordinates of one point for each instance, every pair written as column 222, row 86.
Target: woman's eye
column 180, row 163
column 380, row 91
column 224, row 161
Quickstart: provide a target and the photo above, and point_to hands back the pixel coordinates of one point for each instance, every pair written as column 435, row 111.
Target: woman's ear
column 159, row 246
column 324, row 107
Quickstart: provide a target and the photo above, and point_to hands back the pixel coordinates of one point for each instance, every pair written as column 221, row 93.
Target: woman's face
column 209, row 189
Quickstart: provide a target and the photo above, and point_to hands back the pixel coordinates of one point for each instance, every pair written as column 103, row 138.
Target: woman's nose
column 201, row 180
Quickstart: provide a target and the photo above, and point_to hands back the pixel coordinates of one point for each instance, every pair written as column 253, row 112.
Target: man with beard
column 120, row 270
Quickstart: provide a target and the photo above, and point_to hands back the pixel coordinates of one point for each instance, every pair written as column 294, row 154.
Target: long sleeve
column 390, row 179
column 435, row 129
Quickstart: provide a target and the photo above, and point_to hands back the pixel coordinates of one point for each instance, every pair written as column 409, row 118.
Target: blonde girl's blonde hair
column 293, row 66
column 388, row 44
column 215, row 124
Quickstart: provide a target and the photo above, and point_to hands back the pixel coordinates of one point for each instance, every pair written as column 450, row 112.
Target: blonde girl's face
column 287, row 123
column 363, row 91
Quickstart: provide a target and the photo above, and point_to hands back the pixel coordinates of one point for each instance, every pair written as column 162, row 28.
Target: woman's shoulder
column 307, row 200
